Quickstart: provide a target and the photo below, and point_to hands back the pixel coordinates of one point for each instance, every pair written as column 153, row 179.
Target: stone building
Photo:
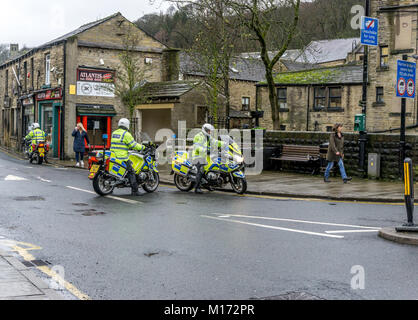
column 313, row 100
column 71, row 79
column 397, row 36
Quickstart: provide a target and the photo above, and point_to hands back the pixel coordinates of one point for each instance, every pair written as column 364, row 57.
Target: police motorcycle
column 108, row 173
column 39, row 152
column 217, row 173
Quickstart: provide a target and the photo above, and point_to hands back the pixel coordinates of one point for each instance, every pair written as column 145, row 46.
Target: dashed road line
column 110, row 197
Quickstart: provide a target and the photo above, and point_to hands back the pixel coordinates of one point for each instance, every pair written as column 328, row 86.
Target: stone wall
column 387, row 145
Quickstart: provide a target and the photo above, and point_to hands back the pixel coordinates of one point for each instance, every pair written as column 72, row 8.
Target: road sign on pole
column 405, row 83
column 369, row 31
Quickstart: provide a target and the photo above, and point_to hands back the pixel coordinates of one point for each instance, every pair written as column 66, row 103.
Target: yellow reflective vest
column 202, row 145
column 121, row 142
column 36, row 135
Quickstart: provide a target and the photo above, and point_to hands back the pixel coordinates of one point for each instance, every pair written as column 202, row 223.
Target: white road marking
column 44, row 180
column 275, row 228
column 110, row 197
column 14, row 178
column 301, row 221
column 351, row 231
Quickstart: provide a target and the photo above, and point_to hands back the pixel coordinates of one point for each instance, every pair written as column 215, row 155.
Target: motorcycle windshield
column 144, row 138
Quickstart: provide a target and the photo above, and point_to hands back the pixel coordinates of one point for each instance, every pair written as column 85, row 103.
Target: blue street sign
column 405, row 83
column 369, row 31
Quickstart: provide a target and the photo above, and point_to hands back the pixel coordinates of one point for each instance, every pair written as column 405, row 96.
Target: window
column 32, row 71
column 379, row 95
column 329, row 128
column 319, row 98
column 25, row 72
column 282, row 127
column 48, row 69
column 335, row 97
column 245, row 104
column 384, row 56
column 282, row 96
column 7, row 83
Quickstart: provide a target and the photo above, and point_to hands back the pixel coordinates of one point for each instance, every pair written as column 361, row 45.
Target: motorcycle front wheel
column 183, row 183
column 239, row 185
column 101, row 185
column 151, row 186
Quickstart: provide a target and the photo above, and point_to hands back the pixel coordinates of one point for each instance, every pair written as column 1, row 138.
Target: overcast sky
column 34, row 22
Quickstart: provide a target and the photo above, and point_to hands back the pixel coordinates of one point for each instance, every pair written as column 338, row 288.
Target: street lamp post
column 363, row 134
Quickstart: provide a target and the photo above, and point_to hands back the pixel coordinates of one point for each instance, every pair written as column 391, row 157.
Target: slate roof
column 168, row 89
column 240, row 69
column 328, row 50
column 347, row 74
column 297, row 66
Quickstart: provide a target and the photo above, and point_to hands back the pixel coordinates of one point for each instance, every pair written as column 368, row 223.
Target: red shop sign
column 49, row 95
column 101, row 76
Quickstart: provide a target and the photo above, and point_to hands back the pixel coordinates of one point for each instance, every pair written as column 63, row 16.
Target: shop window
column 335, row 97
column 48, row 69
column 245, row 104
column 96, row 127
column 282, row 97
column 384, row 56
column 319, row 98
column 379, row 95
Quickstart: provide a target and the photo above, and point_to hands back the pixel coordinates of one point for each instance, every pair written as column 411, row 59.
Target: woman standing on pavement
column 80, row 135
column 336, row 153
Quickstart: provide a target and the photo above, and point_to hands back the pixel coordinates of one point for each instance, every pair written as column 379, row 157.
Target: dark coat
column 336, row 144
column 79, row 145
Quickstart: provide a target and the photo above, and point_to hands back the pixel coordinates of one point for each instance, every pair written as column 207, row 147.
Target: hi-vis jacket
column 202, row 145
column 122, row 141
column 36, row 135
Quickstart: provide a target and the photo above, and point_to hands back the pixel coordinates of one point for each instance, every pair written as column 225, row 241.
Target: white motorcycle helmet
column 35, row 126
column 125, row 123
column 207, row 129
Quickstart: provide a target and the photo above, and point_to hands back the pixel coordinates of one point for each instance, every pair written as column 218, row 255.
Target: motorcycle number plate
column 41, row 150
column 94, row 168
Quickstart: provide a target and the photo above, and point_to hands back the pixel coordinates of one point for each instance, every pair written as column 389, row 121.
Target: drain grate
column 31, row 198
column 36, row 263
column 291, row 296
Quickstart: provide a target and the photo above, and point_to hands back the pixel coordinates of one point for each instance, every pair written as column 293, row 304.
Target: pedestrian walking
column 336, row 153
column 80, row 135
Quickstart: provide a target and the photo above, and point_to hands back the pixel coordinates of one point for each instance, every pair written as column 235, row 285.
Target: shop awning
column 95, row 110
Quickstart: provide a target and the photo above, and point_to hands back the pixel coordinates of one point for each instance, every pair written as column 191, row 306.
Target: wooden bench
column 303, row 154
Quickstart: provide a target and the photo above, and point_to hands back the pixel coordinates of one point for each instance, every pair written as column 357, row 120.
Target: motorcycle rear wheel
column 151, row 186
column 183, row 183
column 40, row 160
column 100, row 187
column 239, row 185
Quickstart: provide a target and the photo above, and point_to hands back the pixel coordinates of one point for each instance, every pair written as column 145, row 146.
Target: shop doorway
column 49, row 114
column 96, row 126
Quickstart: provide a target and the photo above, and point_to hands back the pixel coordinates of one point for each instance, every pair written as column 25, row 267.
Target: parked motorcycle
column 39, row 152
column 108, row 173
column 217, row 174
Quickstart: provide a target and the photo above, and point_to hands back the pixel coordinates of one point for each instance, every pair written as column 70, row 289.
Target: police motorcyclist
column 36, row 135
column 122, row 141
column 202, row 144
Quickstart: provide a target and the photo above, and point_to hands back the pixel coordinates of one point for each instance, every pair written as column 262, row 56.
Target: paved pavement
column 18, row 282
column 174, row 245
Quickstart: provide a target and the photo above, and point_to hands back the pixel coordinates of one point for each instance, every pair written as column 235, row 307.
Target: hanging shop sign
column 95, row 83
column 53, row 94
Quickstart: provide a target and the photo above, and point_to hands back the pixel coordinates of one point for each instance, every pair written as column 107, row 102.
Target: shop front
column 28, row 113
column 97, row 120
column 49, row 103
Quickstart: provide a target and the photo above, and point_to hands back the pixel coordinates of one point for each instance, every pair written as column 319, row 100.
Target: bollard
column 409, row 197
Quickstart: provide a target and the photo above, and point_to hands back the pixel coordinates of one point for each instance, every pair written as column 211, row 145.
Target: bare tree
column 272, row 31
column 131, row 74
